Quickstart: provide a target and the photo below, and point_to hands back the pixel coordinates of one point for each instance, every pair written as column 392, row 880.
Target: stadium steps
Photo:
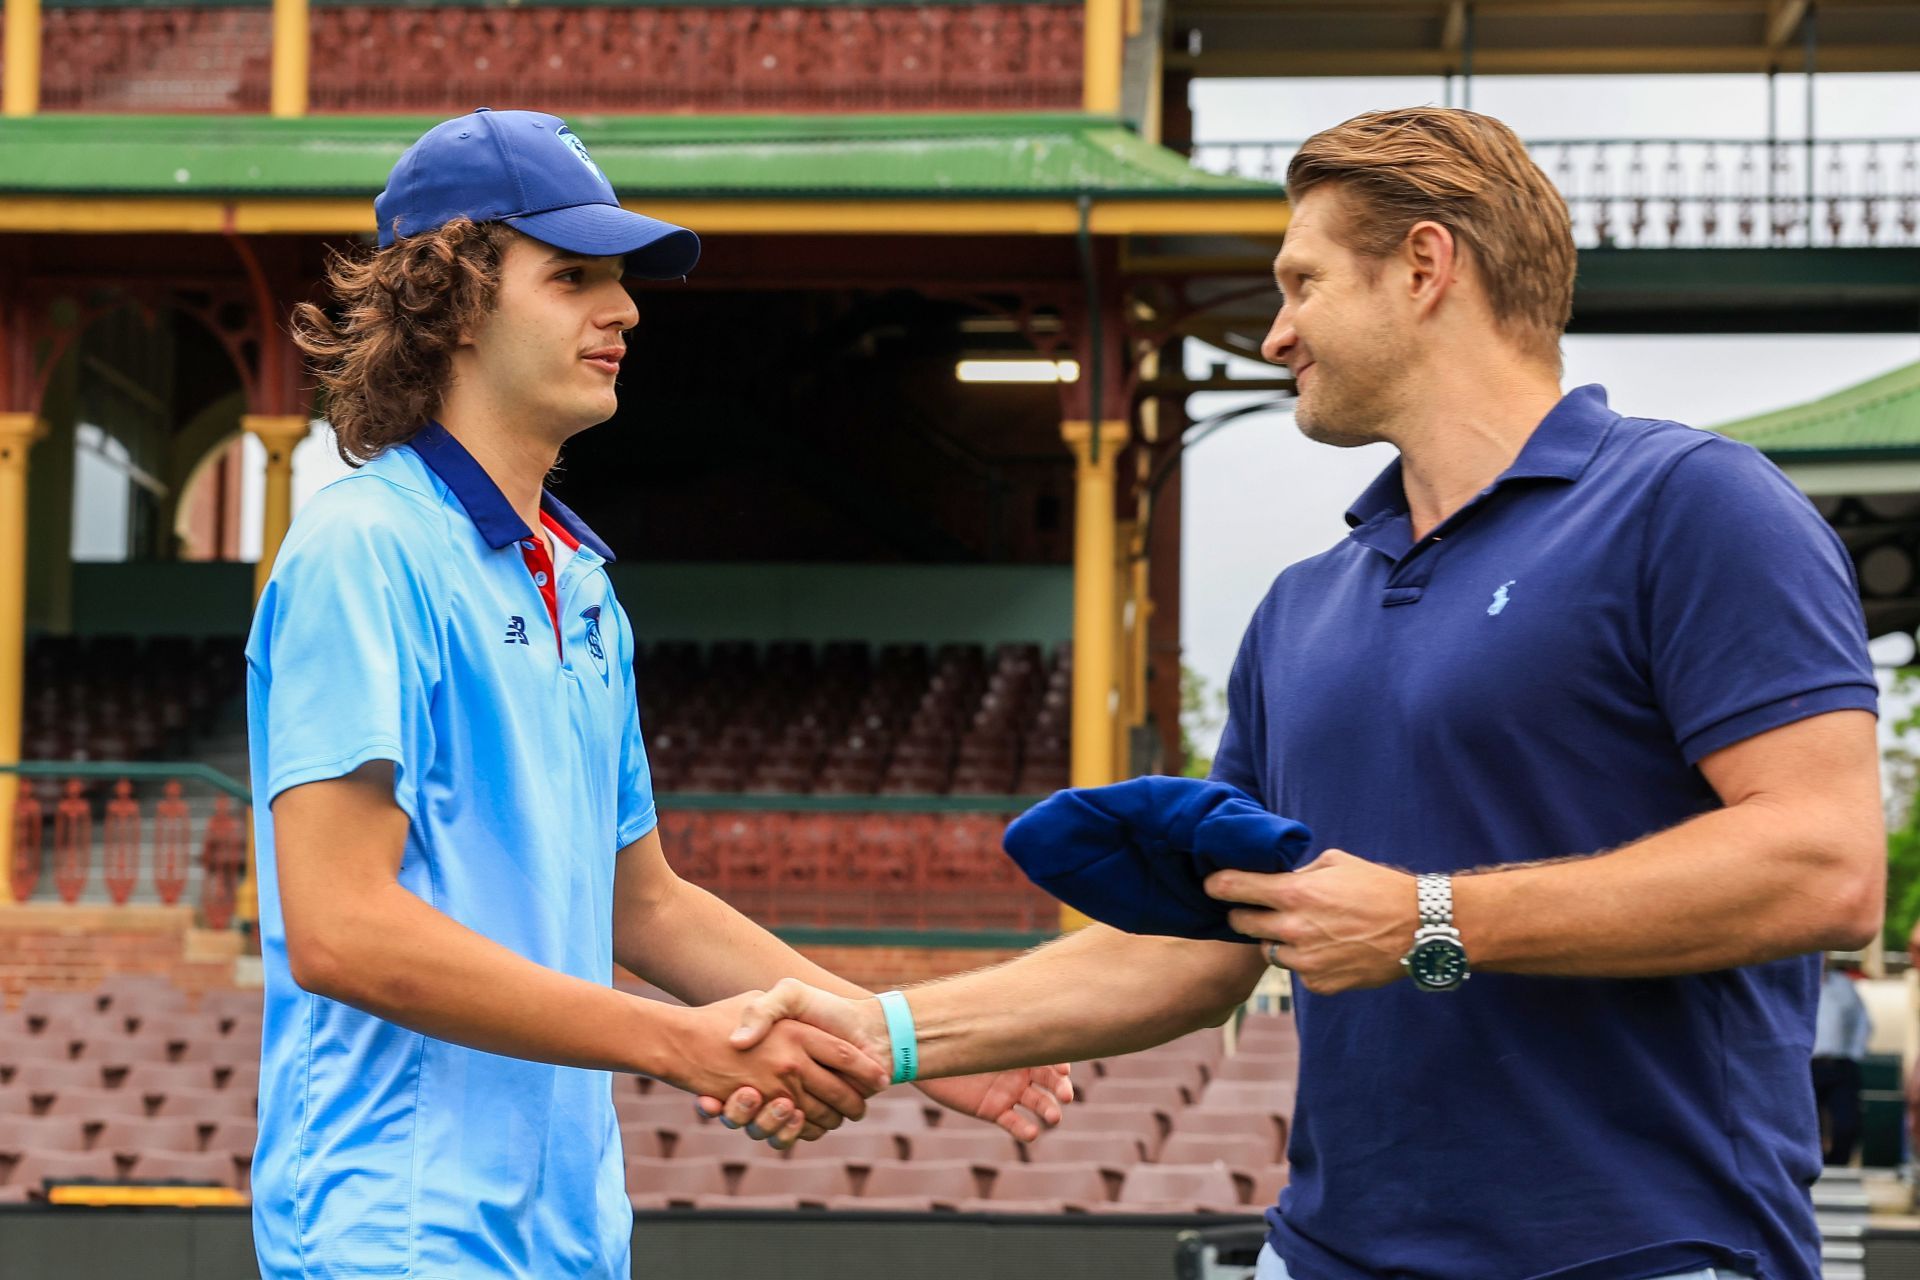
column 1841, row 1206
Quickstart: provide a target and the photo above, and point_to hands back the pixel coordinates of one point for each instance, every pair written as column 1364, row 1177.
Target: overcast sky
column 1259, row 496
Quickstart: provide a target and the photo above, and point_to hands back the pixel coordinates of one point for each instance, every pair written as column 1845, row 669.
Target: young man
column 1602, row 684
column 456, row 827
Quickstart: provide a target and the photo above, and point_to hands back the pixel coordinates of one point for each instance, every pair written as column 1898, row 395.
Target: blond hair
column 1471, row 174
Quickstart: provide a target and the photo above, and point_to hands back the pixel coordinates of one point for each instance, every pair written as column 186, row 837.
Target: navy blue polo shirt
column 1540, row 677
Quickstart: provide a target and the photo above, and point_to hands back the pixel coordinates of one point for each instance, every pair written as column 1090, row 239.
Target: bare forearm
column 699, row 948
column 1741, row 885
column 1094, row 993
column 404, row 961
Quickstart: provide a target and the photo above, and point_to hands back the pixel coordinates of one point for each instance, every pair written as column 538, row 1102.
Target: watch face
column 1438, row 964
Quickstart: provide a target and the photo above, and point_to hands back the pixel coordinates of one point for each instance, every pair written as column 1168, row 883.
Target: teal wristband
column 906, row 1057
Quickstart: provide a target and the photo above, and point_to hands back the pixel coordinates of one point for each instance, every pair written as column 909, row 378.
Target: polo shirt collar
column 1560, row 448
column 486, row 506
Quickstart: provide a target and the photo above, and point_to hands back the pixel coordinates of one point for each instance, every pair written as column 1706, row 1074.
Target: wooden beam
column 1299, row 62
column 1783, row 19
column 1453, row 31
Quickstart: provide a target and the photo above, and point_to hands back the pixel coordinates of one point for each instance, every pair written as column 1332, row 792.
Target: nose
column 1279, row 342
column 624, row 313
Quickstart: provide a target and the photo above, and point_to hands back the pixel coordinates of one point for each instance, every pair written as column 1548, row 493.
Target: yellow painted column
column 1095, row 610
column 1103, row 44
column 21, row 95
column 292, row 50
column 279, row 432
column 18, row 431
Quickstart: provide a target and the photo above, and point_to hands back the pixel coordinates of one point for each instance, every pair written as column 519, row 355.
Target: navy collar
column 486, row 506
column 1560, row 448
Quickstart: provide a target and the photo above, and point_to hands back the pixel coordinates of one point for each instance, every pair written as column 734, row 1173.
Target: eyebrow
column 563, row 258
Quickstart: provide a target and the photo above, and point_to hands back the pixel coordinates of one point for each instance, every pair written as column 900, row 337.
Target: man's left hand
column 1340, row 923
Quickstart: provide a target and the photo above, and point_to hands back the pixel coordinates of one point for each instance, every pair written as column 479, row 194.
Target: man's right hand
column 825, row 1079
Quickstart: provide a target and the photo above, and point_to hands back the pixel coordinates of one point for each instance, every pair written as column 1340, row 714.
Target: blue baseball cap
column 530, row 171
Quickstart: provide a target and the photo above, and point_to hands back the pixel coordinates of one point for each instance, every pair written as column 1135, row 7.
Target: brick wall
column 71, row 948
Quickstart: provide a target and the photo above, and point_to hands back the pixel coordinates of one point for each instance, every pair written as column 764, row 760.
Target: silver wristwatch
column 1437, row 960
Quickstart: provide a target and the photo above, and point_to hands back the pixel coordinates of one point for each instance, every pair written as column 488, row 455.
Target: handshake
column 796, row 1062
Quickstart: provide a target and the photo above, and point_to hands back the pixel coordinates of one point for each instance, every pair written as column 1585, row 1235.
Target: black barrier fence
column 42, row 1243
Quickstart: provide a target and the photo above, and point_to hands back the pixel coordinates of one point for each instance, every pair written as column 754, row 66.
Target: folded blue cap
column 530, row 171
column 1135, row 855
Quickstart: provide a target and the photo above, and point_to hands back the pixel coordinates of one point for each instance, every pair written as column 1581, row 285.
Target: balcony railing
column 1686, row 193
column 811, row 866
column 157, row 833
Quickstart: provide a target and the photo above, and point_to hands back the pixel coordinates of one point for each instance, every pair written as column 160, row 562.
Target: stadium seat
column 897, row 1113
column 120, row 1054
column 20, row 1134
column 1044, row 1188
column 1186, row 1074
column 1070, row 1145
column 782, row 1184
column 977, row 1144
column 1268, row 1068
column 641, row 1142
column 1236, row 1151
column 41, row 1048
column 1268, row 1181
column 1168, row 1188
column 853, row 1145
column 235, row 1137
column 156, row 1080
column 191, row 1168
column 15, row 1102
column 1207, row 1122
column 40, row 1005
column 209, row 1104
column 97, row 1105
column 1274, row 1097
column 731, row 1146
column 1094, row 1117
column 33, row 1169
column 218, row 1050
column 225, row 1006
column 659, row 1184
column 673, row 1110
column 125, row 1137
column 1150, row 1095
column 44, row 1079
column 914, row 1186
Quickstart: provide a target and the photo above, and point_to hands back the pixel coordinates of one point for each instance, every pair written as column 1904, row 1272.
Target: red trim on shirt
column 559, row 531
column 540, row 567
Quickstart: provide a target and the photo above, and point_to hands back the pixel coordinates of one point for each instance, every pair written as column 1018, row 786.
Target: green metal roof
column 1877, row 418
column 983, row 155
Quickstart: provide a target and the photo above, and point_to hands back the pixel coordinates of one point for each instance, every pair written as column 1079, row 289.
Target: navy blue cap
column 528, row 170
column 1136, row 855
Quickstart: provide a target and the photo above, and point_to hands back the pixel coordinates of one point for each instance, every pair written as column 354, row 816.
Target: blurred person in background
column 1842, row 1030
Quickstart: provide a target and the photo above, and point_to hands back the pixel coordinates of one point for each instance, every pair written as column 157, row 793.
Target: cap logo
column 579, row 148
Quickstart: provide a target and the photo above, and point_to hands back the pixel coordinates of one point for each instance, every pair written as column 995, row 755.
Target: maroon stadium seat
column 1236, row 1151
column 119, row 1054
column 19, row 1134
column 1267, row 1068
column 1146, row 1095
column 15, row 1102
column 33, row 1169
column 1069, row 1145
column 782, row 1184
column 1203, row 1188
column 40, row 1005
column 1275, row 1096
column 124, row 1137
column 209, row 1104
column 715, row 1142
column 978, row 1144
column 914, row 1186
column 43, row 1079
column 1154, row 1067
column 42, row 1048
column 157, row 1080
column 1205, row 1121
column 898, row 1113
column 195, row 1168
column 1268, row 1180
column 1095, row 1117
column 852, row 1145
column 660, row 1184
column 97, row 1105
column 1044, row 1188
column 235, row 1137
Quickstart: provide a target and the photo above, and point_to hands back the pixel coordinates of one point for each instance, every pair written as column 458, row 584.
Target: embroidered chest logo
column 516, row 630
column 1499, row 599
column 594, row 646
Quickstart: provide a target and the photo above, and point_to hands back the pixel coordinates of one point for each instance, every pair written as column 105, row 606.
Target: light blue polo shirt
column 402, row 622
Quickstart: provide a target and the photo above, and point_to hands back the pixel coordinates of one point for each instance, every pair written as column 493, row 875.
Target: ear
column 1432, row 258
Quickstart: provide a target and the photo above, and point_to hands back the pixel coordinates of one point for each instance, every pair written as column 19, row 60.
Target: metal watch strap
column 1436, row 900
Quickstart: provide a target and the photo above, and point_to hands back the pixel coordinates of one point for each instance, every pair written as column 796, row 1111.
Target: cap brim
column 653, row 249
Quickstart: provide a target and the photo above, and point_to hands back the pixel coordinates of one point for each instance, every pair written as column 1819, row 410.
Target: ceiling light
column 1017, row 370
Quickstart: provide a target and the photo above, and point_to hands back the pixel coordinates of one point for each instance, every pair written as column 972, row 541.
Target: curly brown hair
column 384, row 362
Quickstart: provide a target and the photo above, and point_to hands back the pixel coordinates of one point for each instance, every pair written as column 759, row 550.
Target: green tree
column 1902, row 773
column 1203, row 710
